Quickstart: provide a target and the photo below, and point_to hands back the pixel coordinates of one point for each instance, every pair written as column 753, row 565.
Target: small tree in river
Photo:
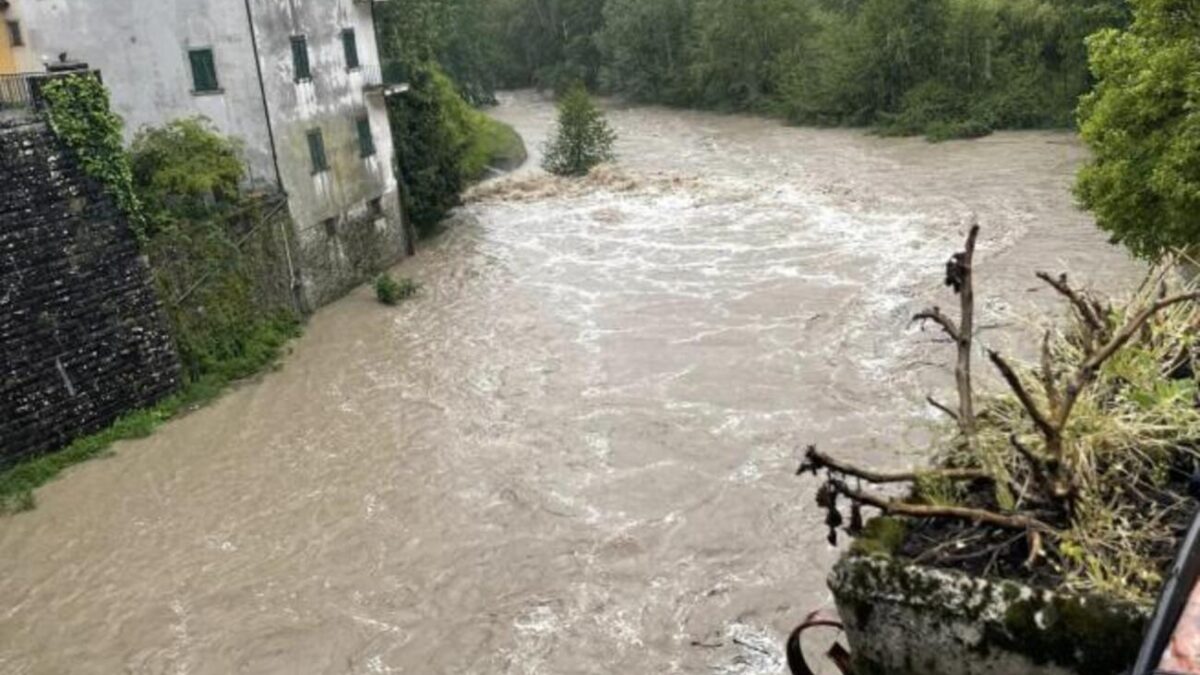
column 582, row 139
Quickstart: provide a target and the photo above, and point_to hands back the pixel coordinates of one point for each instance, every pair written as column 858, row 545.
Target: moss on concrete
column 906, row 619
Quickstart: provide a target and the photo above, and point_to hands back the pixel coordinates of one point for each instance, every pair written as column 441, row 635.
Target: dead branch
column 1049, row 377
column 1035, row 548
column 1014, row 382
column 815, row 460
column 942, row 407
column 1087, row 311
column 895, row 507
column 935, row 315
column 960, row 276
column 962, row 370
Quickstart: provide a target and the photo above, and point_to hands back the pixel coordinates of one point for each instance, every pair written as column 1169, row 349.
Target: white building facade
column 298, row 81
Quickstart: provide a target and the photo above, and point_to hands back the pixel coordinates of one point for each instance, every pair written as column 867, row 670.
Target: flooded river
column 573, row 453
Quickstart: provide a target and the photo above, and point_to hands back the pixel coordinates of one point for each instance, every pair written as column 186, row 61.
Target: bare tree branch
column 895, row 507
column 815, row 460
column 962, row 369
column 942, row 407
column 1086, row 311
column 935, row 315
column 1092, row 365
column 1014, row 382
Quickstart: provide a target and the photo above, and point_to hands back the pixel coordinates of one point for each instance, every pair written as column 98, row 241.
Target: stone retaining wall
column 82, row 336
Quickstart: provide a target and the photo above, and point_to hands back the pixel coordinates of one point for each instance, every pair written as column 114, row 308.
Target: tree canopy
column 1142, row 123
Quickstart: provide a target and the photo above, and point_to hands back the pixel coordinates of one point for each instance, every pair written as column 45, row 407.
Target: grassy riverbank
column 262, row 349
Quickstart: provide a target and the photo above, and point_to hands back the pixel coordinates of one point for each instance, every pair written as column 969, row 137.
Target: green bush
column 391, row 292
column 185, row 167
column 582, row 139
column 1143, row 128
column 442, row 145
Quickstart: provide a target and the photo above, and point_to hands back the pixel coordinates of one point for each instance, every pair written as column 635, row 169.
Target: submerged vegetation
column 1081, row 474
column 581, row 139
column 389, row 291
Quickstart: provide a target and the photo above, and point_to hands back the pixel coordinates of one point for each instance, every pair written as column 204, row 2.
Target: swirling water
column 573, row 452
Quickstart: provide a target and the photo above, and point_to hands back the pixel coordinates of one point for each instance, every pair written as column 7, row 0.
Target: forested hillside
column 941, row 67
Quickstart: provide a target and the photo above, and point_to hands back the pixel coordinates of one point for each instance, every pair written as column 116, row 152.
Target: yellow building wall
column 8, row 60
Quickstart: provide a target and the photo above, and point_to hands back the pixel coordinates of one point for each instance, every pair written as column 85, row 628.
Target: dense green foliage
column 941, row 67
column 581, row 139
column 185, row 167
column 79, row 112
column 416, row 33
column 442, row 142
column 214, row 256
column 1143, row 125
column 392, row 292
column 215, row 262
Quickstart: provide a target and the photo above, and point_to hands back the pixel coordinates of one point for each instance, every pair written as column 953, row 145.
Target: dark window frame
column 350, row 49
column 366, row 138
column 301, row 65
column 201, row 85
column 15, row 37
column 316, row 151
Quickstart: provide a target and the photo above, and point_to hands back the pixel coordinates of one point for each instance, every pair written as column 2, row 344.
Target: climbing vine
column 79, row 112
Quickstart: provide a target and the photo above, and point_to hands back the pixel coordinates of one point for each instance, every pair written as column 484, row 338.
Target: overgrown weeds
column 1083, row 473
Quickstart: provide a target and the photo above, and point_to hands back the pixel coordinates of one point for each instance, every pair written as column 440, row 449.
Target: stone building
column 298, row 81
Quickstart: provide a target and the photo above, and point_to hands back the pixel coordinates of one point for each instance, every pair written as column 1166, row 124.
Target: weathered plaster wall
column 348, row 220
column 141, row 48
column 343, row 235
column 82, row 336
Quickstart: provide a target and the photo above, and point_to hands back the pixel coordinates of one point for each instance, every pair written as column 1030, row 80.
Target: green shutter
column 350, row 45
column 316, row 151
column 366, row 142
column 300, row 58
column 204, row 70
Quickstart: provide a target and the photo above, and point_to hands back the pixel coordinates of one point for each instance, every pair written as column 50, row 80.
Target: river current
column 573, row 452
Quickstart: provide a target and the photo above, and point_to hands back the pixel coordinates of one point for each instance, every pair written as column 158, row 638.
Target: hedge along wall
column 82, row 335
column 228, row 285
column 104, row 307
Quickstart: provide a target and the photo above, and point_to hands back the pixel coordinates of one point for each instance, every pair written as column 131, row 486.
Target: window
column 300, row 58
column 366, row 143
column 375, row 208
column 350, row 46
column 316, row 151
column 204, row 70
column 330, row 225
column 14, row 34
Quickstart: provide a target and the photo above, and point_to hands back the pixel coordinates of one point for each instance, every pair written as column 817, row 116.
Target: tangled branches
column 1087, row 458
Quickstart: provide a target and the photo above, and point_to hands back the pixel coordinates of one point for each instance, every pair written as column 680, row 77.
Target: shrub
column 392, row 292
column 582, row 138
column 186, row 165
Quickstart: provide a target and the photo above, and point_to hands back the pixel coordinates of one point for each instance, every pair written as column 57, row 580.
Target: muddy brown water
column 573, row 453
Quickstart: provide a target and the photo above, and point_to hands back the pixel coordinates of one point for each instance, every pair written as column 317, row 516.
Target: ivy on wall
column 79, row 113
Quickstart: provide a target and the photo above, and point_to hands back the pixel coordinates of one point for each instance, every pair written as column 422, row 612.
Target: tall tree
column 1142, row 123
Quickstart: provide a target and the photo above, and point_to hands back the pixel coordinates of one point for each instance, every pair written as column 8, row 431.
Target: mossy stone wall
column 82, row 334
